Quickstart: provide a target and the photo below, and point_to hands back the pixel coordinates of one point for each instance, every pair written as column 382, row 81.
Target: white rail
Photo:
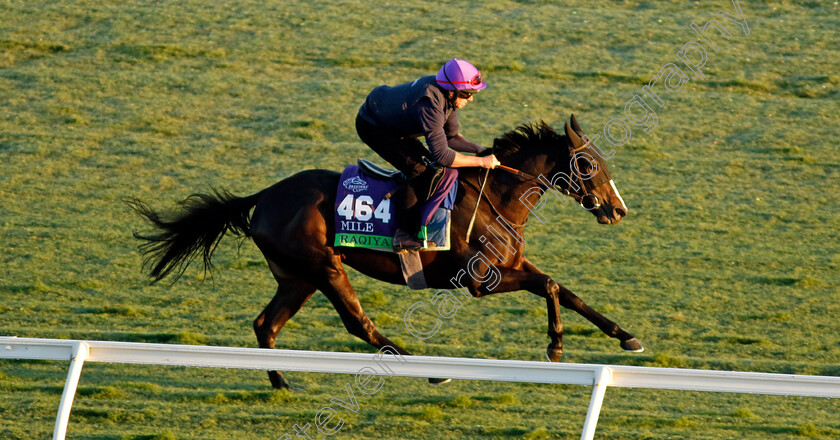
column 598, row 376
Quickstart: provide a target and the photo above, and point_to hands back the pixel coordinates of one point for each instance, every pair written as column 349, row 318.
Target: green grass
column 729, row 258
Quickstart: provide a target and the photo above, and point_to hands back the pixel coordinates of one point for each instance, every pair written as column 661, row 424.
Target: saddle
column 374, row 170
column 426, row 189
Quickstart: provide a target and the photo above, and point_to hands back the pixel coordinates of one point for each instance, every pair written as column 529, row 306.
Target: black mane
column 524, row 137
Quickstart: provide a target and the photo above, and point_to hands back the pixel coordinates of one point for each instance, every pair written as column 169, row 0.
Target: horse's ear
column 576, row 126
column 573, row 137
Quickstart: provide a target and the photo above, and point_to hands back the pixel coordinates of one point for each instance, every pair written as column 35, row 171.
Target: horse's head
column 570, row 164
column 591, row 183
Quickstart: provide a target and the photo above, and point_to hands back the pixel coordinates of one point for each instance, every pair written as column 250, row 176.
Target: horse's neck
column 506, row 193
column 520, row 195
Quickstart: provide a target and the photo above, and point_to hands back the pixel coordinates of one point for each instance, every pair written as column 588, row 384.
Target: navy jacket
column 415, row 109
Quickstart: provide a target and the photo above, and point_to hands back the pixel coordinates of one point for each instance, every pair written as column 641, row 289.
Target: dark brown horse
column 292, row 224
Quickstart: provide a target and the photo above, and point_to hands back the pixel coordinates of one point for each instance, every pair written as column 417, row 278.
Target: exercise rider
column 393, row 118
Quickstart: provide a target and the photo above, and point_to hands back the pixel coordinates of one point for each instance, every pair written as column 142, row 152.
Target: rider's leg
column 410, row 157
column 438, row 193
column 406, row 154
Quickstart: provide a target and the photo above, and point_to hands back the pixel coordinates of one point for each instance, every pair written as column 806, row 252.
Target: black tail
column 198, row 226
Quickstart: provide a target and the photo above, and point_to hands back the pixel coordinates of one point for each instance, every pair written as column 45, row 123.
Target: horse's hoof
column 632, row 345
column 436, row 381
column 278, row 382
column 281, row 386
column 554, row 354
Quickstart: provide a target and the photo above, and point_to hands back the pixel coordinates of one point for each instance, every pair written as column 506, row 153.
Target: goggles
column 465, row 94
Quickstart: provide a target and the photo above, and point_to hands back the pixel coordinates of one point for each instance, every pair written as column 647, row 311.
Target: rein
column 587, row 200
column 477, row 201
column 516, row 172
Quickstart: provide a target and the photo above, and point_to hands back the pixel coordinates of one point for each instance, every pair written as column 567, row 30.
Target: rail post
column 80, row 353
column 603, row 376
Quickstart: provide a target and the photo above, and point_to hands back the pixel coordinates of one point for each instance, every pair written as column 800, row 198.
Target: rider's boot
column 409, row 234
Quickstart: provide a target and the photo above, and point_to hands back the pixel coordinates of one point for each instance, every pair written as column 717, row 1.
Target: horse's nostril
column 620, row 212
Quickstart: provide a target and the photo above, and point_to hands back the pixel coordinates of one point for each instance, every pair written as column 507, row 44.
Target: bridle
column 587, row 199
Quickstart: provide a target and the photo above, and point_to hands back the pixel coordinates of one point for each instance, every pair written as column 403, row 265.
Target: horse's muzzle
column 609, row 215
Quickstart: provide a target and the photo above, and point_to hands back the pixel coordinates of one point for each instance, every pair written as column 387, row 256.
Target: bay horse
column 292, row 225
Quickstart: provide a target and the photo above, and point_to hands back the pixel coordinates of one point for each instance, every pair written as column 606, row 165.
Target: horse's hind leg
column 338, row 290
column 291, row 295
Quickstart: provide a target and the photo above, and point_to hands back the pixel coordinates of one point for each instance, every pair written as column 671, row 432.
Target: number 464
column 362, row 209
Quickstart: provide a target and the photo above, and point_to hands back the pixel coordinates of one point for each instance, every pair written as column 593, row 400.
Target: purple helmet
column 457, row 74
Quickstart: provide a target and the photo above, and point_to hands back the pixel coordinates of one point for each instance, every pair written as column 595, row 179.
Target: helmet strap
column 455, row 91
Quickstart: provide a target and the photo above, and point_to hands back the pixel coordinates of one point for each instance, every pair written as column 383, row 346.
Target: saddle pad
column 363, row 217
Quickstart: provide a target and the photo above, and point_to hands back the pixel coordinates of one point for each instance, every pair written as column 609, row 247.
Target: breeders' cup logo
column 355, row 184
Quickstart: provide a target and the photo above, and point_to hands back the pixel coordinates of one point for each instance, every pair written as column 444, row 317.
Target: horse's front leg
column 557, row 294
column 540, row 284
column 533, row 280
